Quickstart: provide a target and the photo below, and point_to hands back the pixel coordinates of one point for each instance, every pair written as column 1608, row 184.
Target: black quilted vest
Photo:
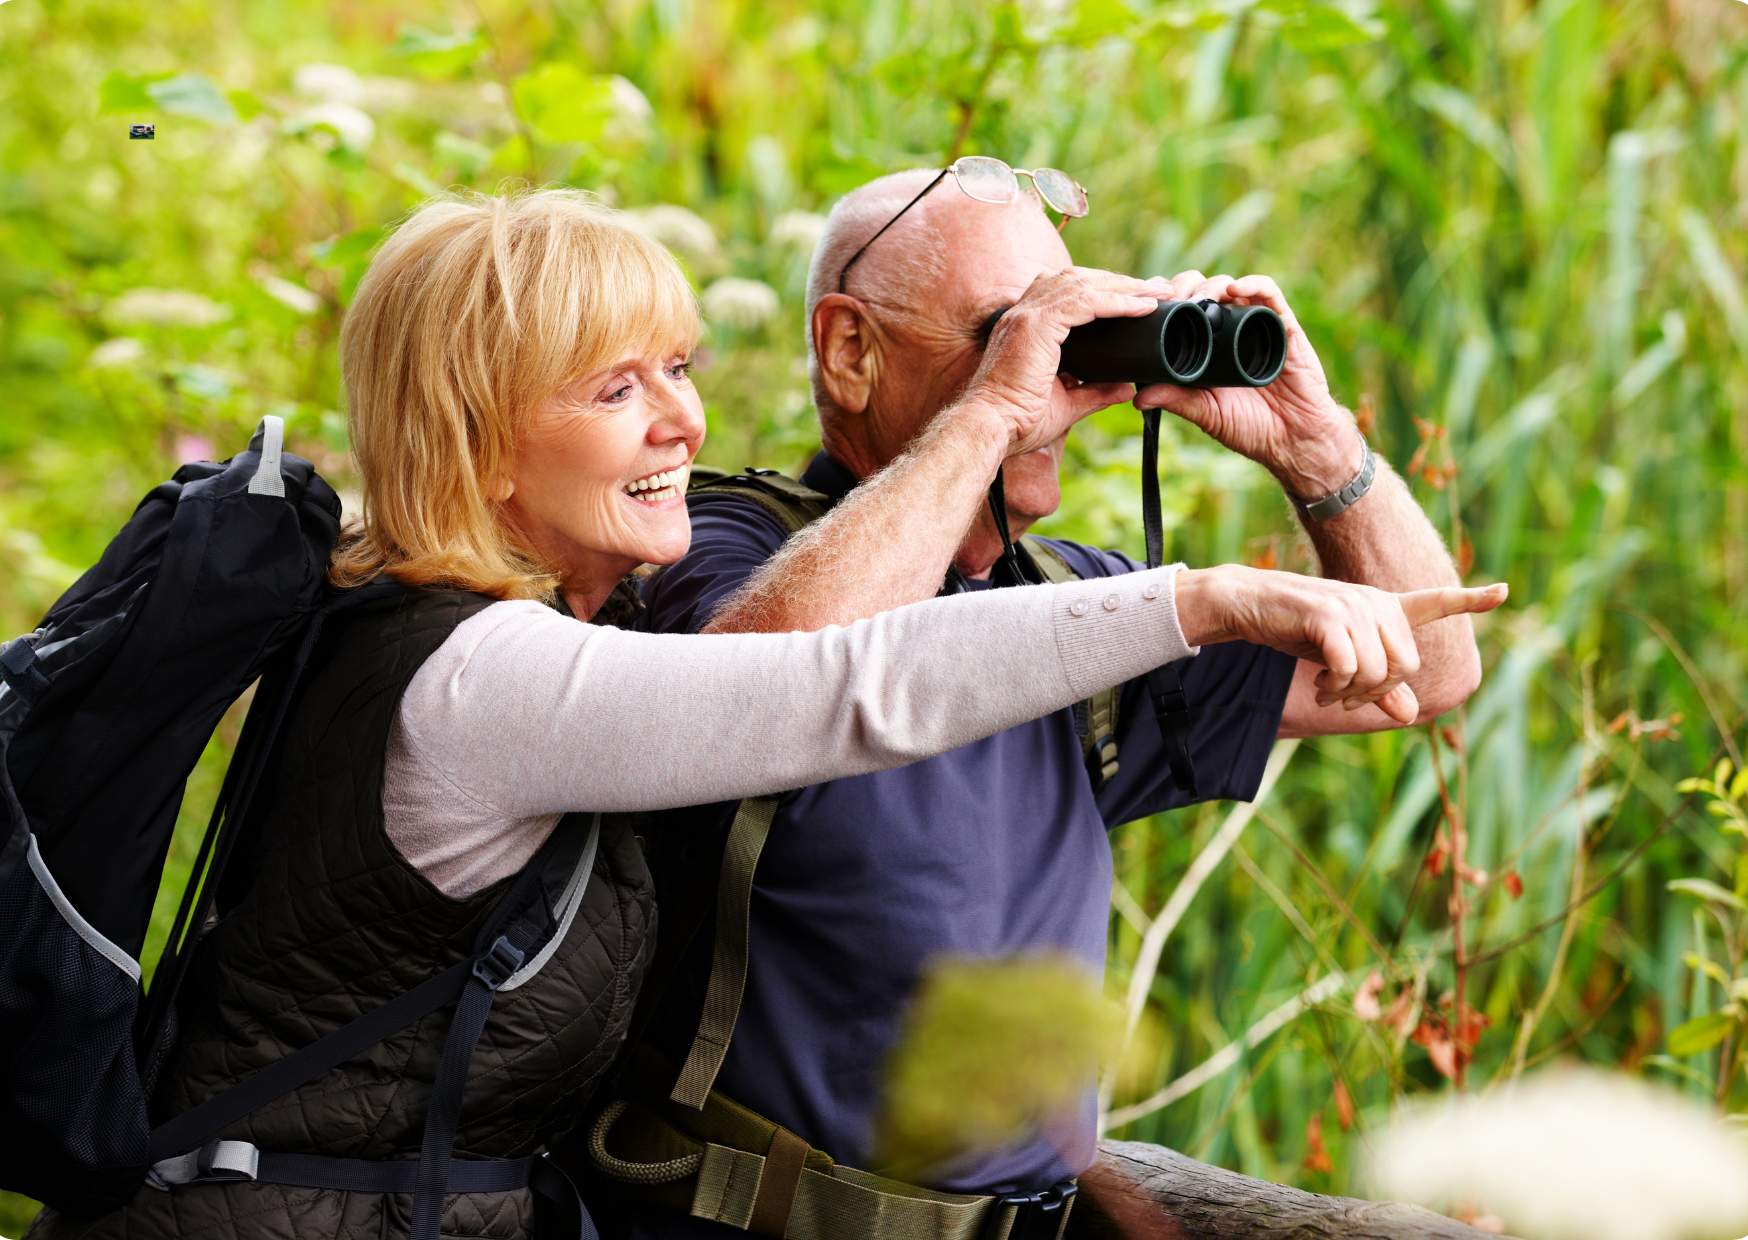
column 332, row 922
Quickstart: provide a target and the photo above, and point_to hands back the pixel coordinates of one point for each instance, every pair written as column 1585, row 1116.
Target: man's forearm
column 887, row 543
column 1385, row 540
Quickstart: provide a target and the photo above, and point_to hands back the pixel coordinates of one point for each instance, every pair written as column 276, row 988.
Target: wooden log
column 1147, row 1192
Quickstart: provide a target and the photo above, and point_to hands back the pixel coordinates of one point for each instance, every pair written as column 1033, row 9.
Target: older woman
column 523, row 421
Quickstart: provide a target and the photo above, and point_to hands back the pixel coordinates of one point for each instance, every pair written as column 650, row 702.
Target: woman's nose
column 679, row 419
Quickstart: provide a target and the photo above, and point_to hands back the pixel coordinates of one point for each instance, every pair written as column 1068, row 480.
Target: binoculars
column 1195, row 344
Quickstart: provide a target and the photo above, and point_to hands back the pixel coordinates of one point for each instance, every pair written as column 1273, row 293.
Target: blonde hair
column 473, row 313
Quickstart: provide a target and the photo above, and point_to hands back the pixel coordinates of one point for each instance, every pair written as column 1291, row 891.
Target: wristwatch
column 1343, row 497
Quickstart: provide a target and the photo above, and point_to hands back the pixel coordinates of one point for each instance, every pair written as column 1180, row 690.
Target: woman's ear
column 847, row 352
column 501, row 490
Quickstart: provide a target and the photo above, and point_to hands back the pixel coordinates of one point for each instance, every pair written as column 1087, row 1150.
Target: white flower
column 173, row 306
column 353, row 127
column 743, row 304
column 286, row 293
column 677, row 228
column 386, row 94
column 1572, row 1154
column 629, row 103
column 116, row 351
column 800, row 229
column 328, row 84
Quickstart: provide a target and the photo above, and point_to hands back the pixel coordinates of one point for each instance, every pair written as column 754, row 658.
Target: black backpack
column 217, row 580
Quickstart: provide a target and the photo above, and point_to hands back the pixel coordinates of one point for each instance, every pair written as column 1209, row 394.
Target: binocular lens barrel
column 1203, row 344
column 1250, row 346
column 1174, row 344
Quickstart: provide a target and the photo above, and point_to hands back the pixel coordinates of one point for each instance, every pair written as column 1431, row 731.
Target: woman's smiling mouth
column 659, row 487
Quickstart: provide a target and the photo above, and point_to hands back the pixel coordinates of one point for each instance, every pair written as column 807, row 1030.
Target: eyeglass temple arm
column 844, row 275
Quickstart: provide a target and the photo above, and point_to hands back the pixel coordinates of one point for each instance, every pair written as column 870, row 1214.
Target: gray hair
column 911, row 264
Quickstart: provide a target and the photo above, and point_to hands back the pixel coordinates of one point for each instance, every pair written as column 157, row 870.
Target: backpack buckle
column 1037, row 1216
column 499, row 962
column 18, row 666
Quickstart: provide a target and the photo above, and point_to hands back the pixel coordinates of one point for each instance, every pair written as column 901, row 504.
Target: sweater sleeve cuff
column 1112, row 629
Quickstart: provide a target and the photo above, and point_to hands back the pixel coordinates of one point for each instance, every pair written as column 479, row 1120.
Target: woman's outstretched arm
column 527, row 712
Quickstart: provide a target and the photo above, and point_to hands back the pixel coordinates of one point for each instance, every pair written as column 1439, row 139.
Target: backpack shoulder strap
column 794, row 504
column 728, row 961
column 1098, row 728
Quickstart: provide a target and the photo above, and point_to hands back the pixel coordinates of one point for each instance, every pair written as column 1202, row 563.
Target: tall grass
column 1516, row 234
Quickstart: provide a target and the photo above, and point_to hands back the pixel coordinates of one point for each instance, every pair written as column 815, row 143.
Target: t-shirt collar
column 828, row 475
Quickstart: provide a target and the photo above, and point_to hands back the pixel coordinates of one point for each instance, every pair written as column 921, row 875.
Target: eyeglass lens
column 986, row 179
column 1059, row 190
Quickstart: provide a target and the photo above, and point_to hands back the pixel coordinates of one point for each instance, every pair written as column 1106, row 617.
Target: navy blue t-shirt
column 992, row 849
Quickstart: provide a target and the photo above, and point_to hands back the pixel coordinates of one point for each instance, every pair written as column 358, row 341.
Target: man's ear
column 846, row 349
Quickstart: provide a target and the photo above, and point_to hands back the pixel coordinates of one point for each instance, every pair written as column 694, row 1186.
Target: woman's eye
column 680, row 370
column 614, row 395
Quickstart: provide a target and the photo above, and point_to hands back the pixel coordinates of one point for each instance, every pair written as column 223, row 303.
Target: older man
column 1000, row 847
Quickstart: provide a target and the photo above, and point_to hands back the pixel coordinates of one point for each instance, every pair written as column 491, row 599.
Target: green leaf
column 1694, row 783
column 190, row 94
column 203, row 381
column 1705, row 889
column 437, row 54
column 1319, row 27
column 1721, row 776
column 1739, row 785
column 124, row 92
column 247, row 104
column 466, row 155
column 1699, row 1034
column 1686, row 1072
column 1092, row 20
column 562, row 104
column 1710, row 968
column 410, row 175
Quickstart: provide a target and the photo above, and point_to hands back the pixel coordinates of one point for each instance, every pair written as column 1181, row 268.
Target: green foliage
column 1516, row 235
column 1724, row 964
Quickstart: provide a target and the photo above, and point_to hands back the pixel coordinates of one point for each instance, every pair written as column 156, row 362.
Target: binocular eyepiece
column 1195, row 344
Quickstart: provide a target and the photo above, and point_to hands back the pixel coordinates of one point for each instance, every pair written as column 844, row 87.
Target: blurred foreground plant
column 1571, row 1153
column 990, row 1051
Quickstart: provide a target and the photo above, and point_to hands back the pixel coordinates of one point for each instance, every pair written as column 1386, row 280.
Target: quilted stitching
column 335, row 922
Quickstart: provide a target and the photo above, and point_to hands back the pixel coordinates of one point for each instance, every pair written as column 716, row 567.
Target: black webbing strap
column 230, row 814
column 443, row 1113
column 1163, row 683
column 400, row 1175
column 236, row 794
column 563, row 1213
column 568, row 1216
column 194, row 1126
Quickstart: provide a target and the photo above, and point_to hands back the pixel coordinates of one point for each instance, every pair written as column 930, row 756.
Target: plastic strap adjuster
column 499, row 963
column 1037, row 1216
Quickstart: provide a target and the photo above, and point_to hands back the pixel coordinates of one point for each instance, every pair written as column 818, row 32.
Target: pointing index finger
column 1424, row 606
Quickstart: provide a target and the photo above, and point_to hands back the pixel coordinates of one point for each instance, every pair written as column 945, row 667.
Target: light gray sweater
column 524, row 714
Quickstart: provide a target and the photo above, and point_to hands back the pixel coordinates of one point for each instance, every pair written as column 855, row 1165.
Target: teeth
column 663, row 485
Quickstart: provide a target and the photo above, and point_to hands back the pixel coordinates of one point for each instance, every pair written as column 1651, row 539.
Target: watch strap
column 1343, row 497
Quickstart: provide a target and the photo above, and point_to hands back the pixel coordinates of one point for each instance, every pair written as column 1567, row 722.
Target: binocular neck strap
column 1151, row 524
column 1163, row 683
column 998, row 510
